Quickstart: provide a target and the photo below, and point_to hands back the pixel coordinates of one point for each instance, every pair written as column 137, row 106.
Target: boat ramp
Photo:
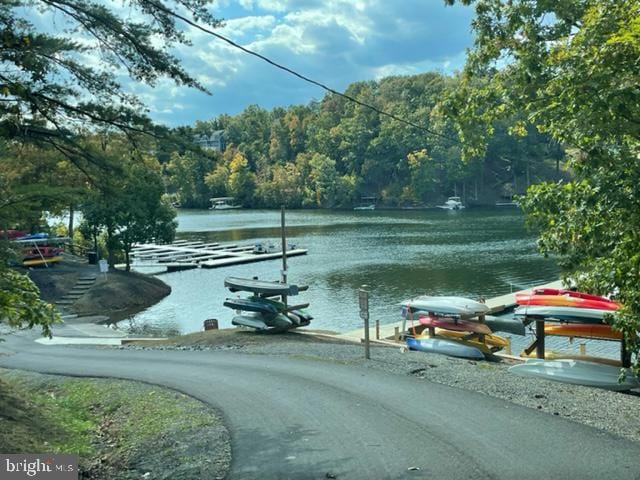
column 185, row 255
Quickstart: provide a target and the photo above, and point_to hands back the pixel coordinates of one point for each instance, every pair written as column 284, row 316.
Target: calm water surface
column 398, row 254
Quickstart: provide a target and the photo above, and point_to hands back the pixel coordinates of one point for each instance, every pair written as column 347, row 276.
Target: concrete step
column 72, row 296
column 69, row 316
column 64, row 301
column 80, row 289
column 85, row 282
column 88, row 277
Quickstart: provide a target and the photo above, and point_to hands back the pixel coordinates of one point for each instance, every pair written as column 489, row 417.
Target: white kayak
column 566, row 314
column 445, row 306
column 577, row 372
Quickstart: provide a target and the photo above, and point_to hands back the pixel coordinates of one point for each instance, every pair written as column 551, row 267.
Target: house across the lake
column 213, row 141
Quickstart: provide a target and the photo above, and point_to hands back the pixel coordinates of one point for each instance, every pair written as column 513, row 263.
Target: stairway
column 83, row 284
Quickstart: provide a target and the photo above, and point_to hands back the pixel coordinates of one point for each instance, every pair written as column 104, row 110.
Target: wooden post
column 363, row 297
column 396, row 334
column 377, row 329
column 540, row 337
column 583, row 349
column 284, row 252
column 508, row 348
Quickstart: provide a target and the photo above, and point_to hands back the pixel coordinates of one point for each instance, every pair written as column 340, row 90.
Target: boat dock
column 495, row 304
column 185, row 255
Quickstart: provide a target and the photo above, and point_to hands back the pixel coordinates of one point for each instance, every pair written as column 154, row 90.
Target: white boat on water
column 365, row 207
column 452, row 203
column 223, row 203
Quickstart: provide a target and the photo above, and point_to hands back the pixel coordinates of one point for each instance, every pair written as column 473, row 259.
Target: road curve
column 293, row 419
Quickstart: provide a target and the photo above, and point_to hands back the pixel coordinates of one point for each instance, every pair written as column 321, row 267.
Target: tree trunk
column 111, row 258
column 126, row 259
column 70, row 228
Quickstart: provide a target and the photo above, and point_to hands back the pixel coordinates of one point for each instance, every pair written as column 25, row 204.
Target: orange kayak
column 586, row 330
column 565, row 301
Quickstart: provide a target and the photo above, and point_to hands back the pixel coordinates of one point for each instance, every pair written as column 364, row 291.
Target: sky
column 336, row 42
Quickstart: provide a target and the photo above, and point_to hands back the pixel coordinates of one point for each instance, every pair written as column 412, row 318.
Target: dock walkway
column 185, row 255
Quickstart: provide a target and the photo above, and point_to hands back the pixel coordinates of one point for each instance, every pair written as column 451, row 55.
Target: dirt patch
column 121, row 295
column 118, row 296
column 235, row 338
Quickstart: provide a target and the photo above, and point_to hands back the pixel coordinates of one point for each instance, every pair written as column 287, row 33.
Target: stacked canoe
column 454, row 326
column 266, row 309
column 573, row 314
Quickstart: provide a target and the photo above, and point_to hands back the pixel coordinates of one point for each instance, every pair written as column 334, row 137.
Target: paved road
column 301, row 420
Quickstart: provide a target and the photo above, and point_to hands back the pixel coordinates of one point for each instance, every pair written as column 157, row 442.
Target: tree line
column 331, row 153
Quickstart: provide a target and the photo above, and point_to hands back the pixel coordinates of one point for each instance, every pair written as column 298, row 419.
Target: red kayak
column 570, row 293
column 456, row 324
column 565, row 300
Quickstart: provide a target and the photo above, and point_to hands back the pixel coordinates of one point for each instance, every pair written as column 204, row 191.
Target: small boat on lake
column 223, row 203
column 452, row 203
column 365, row 207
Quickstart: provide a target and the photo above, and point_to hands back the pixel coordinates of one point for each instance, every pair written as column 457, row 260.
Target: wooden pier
column 185, row 255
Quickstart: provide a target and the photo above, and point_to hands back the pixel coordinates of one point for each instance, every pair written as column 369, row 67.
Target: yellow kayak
column 491, row 344
column 586, row 330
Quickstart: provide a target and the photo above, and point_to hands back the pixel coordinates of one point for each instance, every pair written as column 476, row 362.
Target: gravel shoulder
column 613, row 412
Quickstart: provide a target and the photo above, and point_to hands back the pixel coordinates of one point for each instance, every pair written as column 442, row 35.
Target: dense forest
column 333, row 152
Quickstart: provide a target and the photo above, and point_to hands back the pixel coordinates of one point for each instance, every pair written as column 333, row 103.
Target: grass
column 117, row 427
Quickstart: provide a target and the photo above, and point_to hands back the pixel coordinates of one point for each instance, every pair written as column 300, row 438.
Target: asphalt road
column 293, row 419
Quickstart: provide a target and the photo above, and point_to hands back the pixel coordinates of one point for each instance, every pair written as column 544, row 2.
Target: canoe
column 505, row 325
column 570, row 293
column 444, row 347
column 254, row 304
column 585, row 330
column 554, row 355
column 457, row 324
column 564, row 301
column 578, row 372
column 263, row 287
column 445, row 306
column 562, row 314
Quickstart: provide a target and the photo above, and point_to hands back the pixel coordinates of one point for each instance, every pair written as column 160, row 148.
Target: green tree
column 572, row 69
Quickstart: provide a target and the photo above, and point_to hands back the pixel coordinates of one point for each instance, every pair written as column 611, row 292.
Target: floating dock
column 185, row 255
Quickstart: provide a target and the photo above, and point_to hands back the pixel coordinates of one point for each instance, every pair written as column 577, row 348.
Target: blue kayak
column 444, row 347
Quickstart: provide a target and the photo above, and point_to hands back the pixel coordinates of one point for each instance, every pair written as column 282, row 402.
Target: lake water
column 397, row 253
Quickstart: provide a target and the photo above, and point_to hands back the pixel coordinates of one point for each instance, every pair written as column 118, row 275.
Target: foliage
column 131, row 210
column 328, row 154
column 571, row 68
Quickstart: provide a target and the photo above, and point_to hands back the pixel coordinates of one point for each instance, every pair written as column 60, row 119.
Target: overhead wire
column 299, row 75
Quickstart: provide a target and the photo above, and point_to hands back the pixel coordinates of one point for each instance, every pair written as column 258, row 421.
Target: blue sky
column 333, row 41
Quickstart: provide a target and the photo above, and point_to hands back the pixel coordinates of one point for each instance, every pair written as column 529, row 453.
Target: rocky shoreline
column 612, row 412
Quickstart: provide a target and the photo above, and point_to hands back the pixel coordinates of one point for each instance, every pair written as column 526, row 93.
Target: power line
column 299, row 75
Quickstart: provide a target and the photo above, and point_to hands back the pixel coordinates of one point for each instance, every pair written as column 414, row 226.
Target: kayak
column 587, row 330
column 444, row 347
column 457, row 324
column 562, row 314
column 570, row 293
column 254, row 304
column 491, row 343
column 276, row 323
column 505, row 325
column 564, row 301
column 263, row 287
column 578, row 372
column 553, row 355
column 444, row 306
